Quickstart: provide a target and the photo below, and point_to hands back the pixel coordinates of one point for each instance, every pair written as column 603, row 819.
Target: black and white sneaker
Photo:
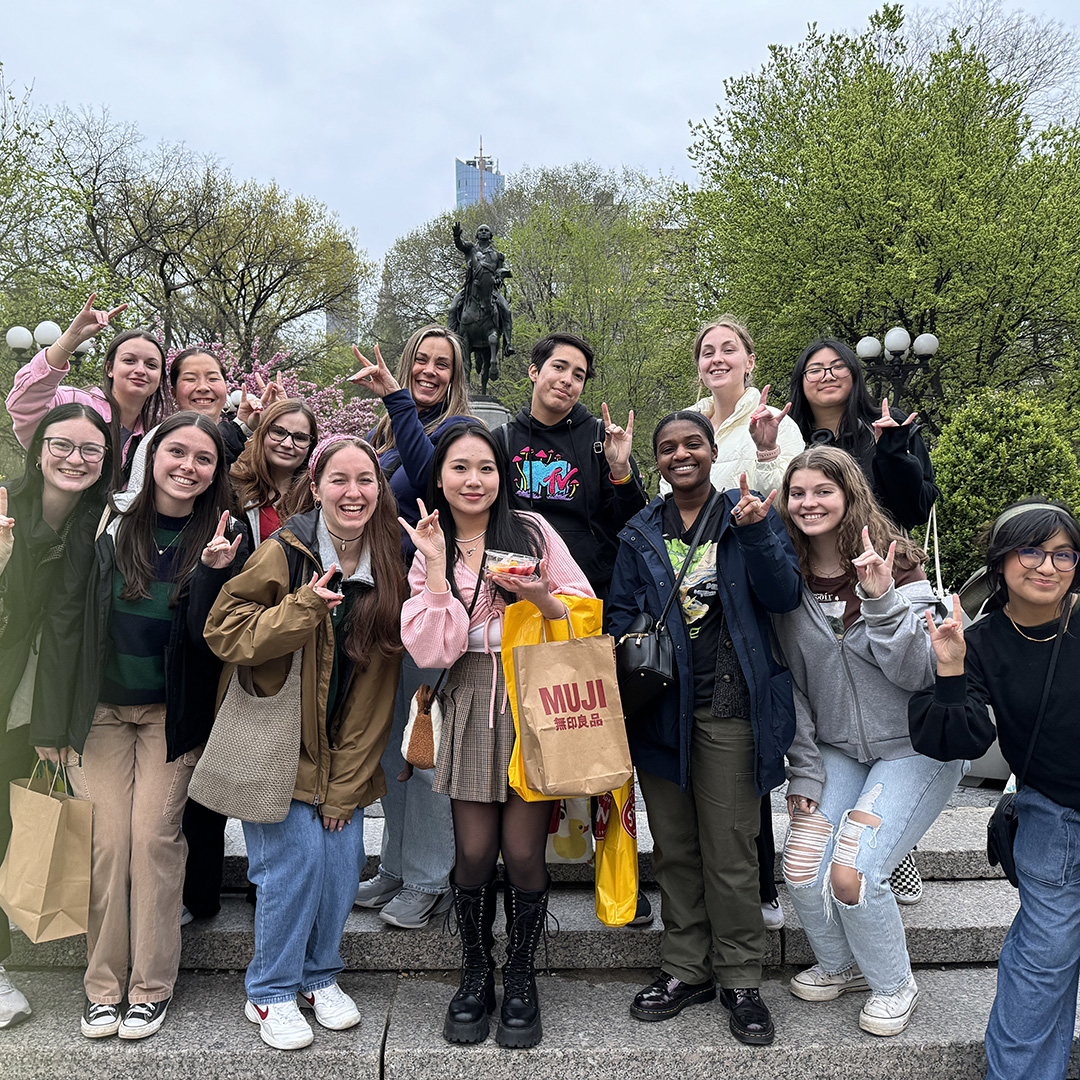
column 906, row 881
column 99, row 1020
column 143, row 1019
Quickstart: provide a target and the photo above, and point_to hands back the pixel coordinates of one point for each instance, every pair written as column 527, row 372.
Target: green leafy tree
column 999, row 446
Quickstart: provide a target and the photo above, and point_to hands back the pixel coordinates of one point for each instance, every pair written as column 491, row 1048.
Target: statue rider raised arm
column 483, row 255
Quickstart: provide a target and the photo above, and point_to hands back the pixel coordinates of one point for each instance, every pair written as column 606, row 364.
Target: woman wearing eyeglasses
column 832, row 407
column 1002, row 663
column 271, row 484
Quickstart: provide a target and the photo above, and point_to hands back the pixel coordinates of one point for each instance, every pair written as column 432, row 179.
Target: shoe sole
column 519, row 1038
column 249, row 1012
column 826, row 993
column 17, row 1017
column 892, row 1025
column 699, row 997
column 475, row 1032
column 376, row 904
column 337, row 1025
column 145, row 1030
column 907, row 899
column 99, row 1031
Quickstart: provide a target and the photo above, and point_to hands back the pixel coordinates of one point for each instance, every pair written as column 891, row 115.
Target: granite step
column 953, row 849
column 956, row 922
column 588, row 1032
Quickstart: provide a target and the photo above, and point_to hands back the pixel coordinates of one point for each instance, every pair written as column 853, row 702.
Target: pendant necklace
column 341, row 539
column 469, row 551
column 161, row 550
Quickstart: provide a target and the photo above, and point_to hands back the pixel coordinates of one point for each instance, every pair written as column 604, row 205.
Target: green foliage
column 998, row 447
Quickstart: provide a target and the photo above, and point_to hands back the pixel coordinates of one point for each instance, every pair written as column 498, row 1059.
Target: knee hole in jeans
column 848, row 884
column 805, row 848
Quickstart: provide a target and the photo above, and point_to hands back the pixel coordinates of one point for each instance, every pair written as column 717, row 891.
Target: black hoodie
column 560, row 472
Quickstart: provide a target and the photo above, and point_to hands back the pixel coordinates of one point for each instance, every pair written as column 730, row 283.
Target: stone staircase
column 403, row 979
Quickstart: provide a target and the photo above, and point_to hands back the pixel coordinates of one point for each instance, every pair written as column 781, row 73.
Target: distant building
column 469, row 175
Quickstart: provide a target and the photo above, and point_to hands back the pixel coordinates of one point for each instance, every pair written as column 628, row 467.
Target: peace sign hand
column 618, row 442
column 90, row 322
column 428, row 536
column 7, row 530
column 318, row 585
column 887, row 420
column 875, row 573
column 947, row 640
column 750, row 508
column 765, row 422
column 219, row 553
column 375, row 377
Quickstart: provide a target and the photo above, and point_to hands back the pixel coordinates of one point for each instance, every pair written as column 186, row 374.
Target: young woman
column 714, row 744
column 859, row 795
column 132, row 393
column 141, row 704
column 429, row 395
column 330, row 584
column 47, row 513
column 271, row 483
column 831, row 406
column 454, row 620
column 753, row 439
column 1002, row 662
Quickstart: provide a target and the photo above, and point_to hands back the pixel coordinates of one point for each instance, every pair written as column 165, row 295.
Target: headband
column 324, row 445
column 1016, row 511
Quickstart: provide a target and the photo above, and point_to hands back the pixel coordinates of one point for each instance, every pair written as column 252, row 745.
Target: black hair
column 859, row 411
column 693, row 416
column 178, row 362
column 1029, row 528
column 32, row 482
column 542, row 350
column 507, row 529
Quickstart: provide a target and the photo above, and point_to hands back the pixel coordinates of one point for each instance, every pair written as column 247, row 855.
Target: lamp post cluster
column 46, row 333
column 895, row 366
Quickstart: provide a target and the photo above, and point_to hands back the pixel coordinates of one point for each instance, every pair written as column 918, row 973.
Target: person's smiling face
column 816, row 504
column 684, row 456
column 723, row 362
column 1042, row 586
column 200, row 386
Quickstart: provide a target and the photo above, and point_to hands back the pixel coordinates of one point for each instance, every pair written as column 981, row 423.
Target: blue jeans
column 306, row 881
column 418, row 830
column 1031, row 1024
column 906, row 795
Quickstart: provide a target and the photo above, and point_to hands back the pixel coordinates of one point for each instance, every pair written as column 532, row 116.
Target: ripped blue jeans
column 895, row 803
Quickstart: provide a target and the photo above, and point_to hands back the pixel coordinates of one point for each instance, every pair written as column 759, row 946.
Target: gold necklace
column 1028, row 637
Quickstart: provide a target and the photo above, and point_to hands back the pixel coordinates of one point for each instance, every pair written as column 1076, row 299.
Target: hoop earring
column 318, row 503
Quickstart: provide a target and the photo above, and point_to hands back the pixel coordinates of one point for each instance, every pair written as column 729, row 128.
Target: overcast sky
column 365, row 105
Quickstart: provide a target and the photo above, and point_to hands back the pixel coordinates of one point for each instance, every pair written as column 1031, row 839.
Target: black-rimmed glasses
column 63, row 448
column 279, row 434
column 1064, row 559
column 817, row 372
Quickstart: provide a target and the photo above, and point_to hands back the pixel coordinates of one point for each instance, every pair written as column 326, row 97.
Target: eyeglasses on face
column 280, row 434
column 1064, row 559
column 816, row 372
column 63, row 448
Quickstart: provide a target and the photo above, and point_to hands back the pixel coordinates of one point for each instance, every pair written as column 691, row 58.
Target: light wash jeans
column 418, row 830
column 1031, row 1024
column 907, row 795
column 306, row 881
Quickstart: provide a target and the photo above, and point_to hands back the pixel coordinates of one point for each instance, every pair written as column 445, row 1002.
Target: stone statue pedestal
column 492, row 412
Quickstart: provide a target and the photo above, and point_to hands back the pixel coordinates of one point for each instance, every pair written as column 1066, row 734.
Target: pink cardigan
column 37, row 389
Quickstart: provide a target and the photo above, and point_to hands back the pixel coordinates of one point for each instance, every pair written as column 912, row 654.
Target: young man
column 570, row 467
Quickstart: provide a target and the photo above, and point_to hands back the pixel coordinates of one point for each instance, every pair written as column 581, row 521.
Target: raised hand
column 374, row 377
column 428, row 536
column 537, row 591
column 7, row 530
column 218, row 552
column 90, row 322
column 750, row 508
column 618, row 442
column 318, row 585
column 887, row 420
column 765, row 422
column 875, row 573
column 947, row 640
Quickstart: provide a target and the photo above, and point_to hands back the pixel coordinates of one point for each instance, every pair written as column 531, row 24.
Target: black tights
column 516, row 827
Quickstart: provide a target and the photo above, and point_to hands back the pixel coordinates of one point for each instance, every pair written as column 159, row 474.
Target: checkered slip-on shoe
column 905, row 882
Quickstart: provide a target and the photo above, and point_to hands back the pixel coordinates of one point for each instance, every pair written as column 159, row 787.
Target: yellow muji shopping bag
column 524, row 625
column 616, row 857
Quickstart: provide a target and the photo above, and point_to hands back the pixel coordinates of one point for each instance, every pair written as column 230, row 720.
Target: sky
column 365, row 105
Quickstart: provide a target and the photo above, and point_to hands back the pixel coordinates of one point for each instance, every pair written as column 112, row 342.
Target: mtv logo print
column 544, row 474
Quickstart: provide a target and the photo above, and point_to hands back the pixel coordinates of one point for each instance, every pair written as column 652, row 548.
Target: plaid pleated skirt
column 474, row 757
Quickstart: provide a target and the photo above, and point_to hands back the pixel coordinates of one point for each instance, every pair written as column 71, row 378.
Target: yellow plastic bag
column 524, row 625
column 616, row 857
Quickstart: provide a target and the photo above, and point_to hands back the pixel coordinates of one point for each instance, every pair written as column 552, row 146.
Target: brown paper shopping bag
column 45, row 876
column 570, row 717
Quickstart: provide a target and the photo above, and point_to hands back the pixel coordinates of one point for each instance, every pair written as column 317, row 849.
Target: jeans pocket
column 173, row 811
column 1041, row 848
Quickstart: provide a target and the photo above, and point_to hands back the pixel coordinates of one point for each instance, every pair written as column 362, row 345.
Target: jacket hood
column 743, row 408
column 577, row 415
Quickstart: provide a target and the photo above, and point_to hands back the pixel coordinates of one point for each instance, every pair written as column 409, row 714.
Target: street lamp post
column 46, row 333
column 896, row 367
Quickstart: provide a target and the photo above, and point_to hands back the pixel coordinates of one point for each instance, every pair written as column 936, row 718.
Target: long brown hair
column 374, row 624
column 135, row 541
column 861, row 509
column 251, row 478
column 457, row 391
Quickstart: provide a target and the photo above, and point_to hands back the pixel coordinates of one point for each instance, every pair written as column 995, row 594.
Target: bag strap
column 706, row 513
column 468, row 615
column 931, row 531
column 1062, row 623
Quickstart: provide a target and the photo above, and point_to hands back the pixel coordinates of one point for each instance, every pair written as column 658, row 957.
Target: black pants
column 766, row 853
column 205, row 833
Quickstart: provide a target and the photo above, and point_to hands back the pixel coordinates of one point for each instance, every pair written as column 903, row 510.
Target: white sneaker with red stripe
column 334, row 1009
column 280, row 1025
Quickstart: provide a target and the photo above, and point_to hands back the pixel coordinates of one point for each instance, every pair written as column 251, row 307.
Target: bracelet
column 625, row 480
column 56, row 345
column 768, row 455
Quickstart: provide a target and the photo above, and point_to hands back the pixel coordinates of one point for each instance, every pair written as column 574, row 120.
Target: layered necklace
column 1028, row 637
column 469, row 551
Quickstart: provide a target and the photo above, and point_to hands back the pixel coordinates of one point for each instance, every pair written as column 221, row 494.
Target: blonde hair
column 727, row 322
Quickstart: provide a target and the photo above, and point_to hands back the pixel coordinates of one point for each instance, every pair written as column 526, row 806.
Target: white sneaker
column 13, row 1004
column 773, row 915
column 814, row 985
column 334, row 1009
column 280, row 1025
column 889, row 1014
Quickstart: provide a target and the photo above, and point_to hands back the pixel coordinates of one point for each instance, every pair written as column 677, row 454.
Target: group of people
column 148, row 551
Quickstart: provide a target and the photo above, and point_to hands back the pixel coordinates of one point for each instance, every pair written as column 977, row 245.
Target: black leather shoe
column 750, row 1022
column 667, row 996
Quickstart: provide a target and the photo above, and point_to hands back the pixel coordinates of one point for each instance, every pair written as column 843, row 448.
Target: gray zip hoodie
column 852, row 693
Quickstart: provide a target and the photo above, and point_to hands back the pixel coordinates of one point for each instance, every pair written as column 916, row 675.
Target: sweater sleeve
column 563, row 573
column 904, row 476
column 805, row 765
column 770, row 474
column 898, row 637
column 624, row 500
column 951, row 720
column 434, row 626
column 771, row 564
column 35, row 391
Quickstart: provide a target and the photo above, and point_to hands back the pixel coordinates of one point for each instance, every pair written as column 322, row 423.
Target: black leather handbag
column 645, row 654
column 1001, row 828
